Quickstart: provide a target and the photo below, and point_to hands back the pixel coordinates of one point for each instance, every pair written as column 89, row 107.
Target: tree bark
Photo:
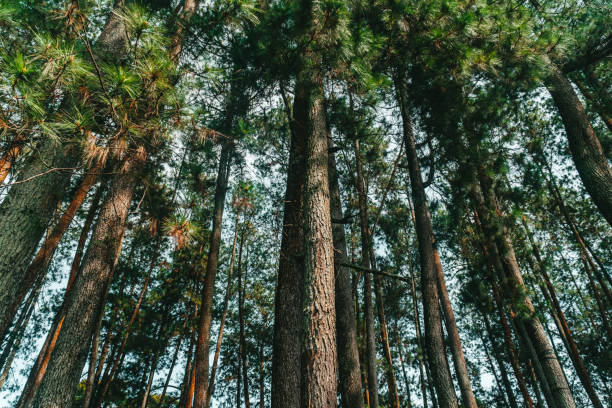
column 586, row 150
column 318, row 354
column 286, row 364
column 205, row 321
column 433, row 320
column 346, row 330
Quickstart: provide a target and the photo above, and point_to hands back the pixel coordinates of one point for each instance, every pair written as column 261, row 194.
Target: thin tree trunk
column 172, row 364
column 346, row 330
column 463, row 378
column 262, row 389
column 500, row 363
column 12, row 346
column 185, row 389
column 205, row 321
column 318, row 354
column 93, row 358
column 10, row 155
column 586, row 150
column 145, row 397
column 228, row 291
column 241, row 295
column 367, row 284
column 500, row 389
column 417, row 323
column 433, row 320
column 400, row 350
column 286, row 363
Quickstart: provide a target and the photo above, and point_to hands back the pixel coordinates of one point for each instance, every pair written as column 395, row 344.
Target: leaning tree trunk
column 318, row 354
column 366, row 263
column 346, row 330
column 205, row 321
column 66, row 360
column 286, row 365
column 29, row 205
column 513, row 279
column 433, row 320
column 586, row 150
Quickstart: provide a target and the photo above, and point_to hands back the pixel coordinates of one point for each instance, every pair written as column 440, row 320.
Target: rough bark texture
column 346, row 330
column 319, row 357
column 70, row 352
column 203, row 344
column 368, row 309
column 434, row 343
column 515, row 287
column 286, row 371
column 586, row 150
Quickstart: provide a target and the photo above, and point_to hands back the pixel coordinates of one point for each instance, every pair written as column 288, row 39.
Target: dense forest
column 306, row 203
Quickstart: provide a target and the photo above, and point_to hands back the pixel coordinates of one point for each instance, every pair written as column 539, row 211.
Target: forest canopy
column 305, row 203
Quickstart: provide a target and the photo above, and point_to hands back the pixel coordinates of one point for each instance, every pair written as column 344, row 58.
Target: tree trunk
column 262, row 389
column 10, row 155
column 66, row 359
column 433, row 320
column 368, row 310
column 241, row 296
column 463, row 378
column 500, row 389
column 400, row 350
column 586, row 150
column 203, row 344
column 172, row 364
column 286, row 365
column 318, row 354
column 421, row 346
column 502, row 368
column 346, row 331
column 145, row 397
column 93, row 358
column 515, row 287
column 228, row 292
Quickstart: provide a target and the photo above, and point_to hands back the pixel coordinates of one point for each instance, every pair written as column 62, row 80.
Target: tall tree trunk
column 286, row 364
column 241, row 296
column 346, row 330
column 93, row 359
column 172, row 364
column 203, row 344
column 262, row 387
column 463, row 378
column 66, row 359
column 318, row 354
column 188, row 370
column 586, row 150
column 368, row 310
column 572, row 348
column 228, row 292
column 431, row 308
column 28, row 207
column 400, row 350
column 513, row 280
column 421, row 346
column 502, row 368
column 500, row 389
column 147, row 390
